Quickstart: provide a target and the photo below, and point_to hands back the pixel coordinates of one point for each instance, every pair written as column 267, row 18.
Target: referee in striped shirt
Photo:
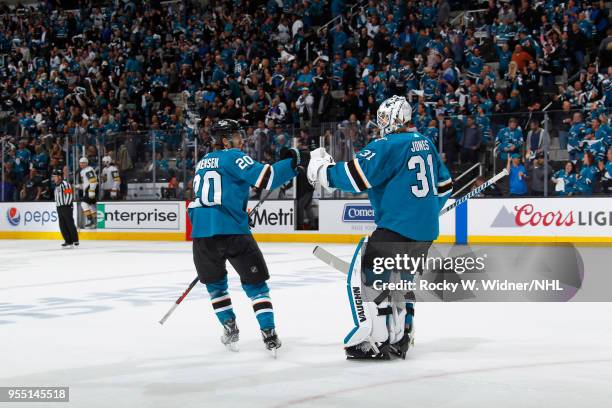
column 64, row 195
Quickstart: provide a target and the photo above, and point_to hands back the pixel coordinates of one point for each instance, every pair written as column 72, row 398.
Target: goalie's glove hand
column 91, row 194
column 320, row 160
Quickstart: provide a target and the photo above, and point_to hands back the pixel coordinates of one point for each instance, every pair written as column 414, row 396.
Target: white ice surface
column 88, row 319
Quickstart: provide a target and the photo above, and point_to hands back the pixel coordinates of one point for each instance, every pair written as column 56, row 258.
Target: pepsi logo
column 13, row 216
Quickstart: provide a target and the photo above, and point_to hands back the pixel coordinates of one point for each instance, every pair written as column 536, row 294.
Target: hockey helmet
column 228, row 129
column 393, row 114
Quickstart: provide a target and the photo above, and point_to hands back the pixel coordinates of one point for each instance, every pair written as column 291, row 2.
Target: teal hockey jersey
column 221, row 187
column 406, row 181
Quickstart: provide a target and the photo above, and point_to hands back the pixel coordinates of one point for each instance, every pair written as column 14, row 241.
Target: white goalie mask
column 393, row 114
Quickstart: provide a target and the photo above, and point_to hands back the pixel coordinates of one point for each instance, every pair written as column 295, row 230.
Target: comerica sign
column 358, row 213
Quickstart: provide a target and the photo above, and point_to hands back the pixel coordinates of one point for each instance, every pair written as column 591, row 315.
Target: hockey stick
column 331, row 260
column 476, row 191
column 343, row 266
column 178, row 301
column 195, row 281
column 254, row 209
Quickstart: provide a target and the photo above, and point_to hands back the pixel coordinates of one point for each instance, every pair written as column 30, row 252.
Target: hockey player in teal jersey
column 407, row 185
column 220, row 227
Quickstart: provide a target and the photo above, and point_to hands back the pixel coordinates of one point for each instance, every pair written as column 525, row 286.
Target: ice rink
column 88, row 319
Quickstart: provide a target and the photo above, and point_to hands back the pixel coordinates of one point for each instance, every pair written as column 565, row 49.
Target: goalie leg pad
column 370, row 318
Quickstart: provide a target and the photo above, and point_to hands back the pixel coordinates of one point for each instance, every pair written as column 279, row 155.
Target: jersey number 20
column 211, row 179
column 418, row 163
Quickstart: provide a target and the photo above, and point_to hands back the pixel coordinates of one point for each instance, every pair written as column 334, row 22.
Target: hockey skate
column 66, row 246
column 271, row 340
column 230, row 335
column 367, row 351
column 400, row 348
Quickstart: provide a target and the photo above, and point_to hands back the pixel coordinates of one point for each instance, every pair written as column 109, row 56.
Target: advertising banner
column 30, row 216
column 274, row 216
column 564, row 219
column 163, row 216
column 357, row 217
column 346, row 217
column 541, row 217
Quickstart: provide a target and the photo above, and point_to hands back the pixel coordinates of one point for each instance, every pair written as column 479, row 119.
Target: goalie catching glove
column 320, row 161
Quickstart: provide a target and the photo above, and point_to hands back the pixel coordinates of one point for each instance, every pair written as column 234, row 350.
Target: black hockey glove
column 293, row 154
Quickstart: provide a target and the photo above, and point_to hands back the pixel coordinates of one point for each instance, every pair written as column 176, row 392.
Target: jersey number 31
column 418, row 163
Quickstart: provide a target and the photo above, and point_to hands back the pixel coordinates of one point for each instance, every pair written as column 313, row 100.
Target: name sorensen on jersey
column 208, row 163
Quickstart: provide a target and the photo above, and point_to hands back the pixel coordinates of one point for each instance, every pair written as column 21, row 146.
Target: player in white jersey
column 89, row 184
column 110, row 179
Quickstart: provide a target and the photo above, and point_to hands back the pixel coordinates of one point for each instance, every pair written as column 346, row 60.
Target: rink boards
column 550, row 220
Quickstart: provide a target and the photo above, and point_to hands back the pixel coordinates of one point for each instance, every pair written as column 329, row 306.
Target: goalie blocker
column 383, row 319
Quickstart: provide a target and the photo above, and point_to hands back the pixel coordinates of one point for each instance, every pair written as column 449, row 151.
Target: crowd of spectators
column 127, row 78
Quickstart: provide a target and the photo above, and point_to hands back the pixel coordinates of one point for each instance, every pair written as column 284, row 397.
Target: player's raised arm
column 266, row 176
column 244, row 167
column 369, row 168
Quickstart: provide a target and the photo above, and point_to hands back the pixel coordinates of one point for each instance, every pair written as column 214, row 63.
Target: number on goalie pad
column 377, row 319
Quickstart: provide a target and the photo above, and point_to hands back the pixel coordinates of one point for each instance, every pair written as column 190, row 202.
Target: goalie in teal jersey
column 220, row 227
column 407, row 184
